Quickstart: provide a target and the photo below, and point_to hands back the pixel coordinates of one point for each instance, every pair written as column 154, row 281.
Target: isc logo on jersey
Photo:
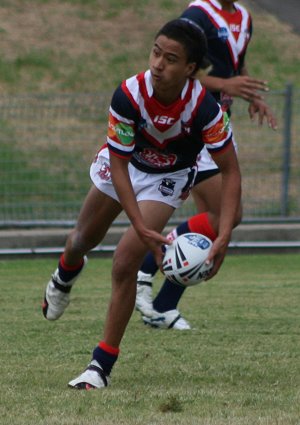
column 163, row 119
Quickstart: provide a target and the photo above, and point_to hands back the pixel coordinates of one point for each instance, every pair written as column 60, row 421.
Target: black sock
column 168, row 296
column 105, row 359
column 67, row 273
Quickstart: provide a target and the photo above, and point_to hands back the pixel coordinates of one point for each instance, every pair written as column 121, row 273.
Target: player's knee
column 77, row 243
column 124, row 268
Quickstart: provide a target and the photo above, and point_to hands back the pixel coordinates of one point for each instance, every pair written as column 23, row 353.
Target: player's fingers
column 251, row 95
column 272, row 121
column 214, row 270
column 158, row 254
column 258, row 84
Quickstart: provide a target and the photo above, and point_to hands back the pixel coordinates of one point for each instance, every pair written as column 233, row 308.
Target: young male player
column 159, row 120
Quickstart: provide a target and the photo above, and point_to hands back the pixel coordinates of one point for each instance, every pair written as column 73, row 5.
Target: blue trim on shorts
column 204, row 175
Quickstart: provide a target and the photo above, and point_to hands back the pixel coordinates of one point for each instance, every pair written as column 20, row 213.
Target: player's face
column 169, row 67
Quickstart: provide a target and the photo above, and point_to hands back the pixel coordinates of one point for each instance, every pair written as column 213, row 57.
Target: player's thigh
column 96, row 215
column 131, row 250
column 207, row 197
column 207, row 194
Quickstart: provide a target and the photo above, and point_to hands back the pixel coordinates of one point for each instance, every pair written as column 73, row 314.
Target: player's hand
column 263, row 112
column 217, row 255
column 246, row 87
column 154, row 241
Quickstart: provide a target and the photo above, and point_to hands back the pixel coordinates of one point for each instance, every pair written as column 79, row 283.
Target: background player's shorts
column 169, row 188
column 206, row 165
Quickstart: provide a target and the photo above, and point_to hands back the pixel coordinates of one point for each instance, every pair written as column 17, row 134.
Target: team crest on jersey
column 223, row 34
column 142, row 124
column 186, row 128
column 104, row 172
column 167, row 187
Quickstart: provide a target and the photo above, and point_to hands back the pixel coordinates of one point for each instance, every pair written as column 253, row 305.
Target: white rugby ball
column 184, row 259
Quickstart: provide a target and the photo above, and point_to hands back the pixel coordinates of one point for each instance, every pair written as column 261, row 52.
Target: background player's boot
column 171, row 319
column 143, row 301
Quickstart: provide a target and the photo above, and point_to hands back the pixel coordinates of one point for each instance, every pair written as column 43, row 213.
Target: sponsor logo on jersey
column 226, row 121
column 223, row 34
column 219, row 131
column 163, row 119
column 121, row 131
column 167, row 187
column 235, row 28
column 157, row 159
column 124, row 133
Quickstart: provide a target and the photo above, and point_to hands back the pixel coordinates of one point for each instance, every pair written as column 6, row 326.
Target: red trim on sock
column 70, row 268
column 200, row 224
column 108, row 348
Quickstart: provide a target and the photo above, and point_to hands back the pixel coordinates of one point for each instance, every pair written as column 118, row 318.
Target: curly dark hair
column 191, row 36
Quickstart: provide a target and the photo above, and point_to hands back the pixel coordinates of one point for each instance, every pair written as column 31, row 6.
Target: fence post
column 287, row 139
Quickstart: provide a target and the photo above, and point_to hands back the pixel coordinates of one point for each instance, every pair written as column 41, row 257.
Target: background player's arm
column 259, row 107
column 244, row 86
column 247, row 88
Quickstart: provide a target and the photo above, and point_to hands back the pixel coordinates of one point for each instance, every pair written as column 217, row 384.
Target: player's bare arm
column 243, row 86
column 231, row 198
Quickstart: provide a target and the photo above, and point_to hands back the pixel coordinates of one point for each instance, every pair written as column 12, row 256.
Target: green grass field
column 239, row 365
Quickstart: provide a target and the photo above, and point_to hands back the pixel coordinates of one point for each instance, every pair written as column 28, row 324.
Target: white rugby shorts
column 205, row 161
column 170, row 188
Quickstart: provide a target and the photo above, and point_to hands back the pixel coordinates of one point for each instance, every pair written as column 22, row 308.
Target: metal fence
column 48, row 142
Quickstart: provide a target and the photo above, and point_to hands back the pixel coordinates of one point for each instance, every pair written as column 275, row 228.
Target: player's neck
column 169, row 95
column 166, row 99
column 228, row 6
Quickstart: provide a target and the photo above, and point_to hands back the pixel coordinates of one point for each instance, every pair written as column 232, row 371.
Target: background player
column 228, row 28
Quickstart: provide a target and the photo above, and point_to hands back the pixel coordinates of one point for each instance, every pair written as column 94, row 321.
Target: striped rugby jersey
column 158, row 138
column 228, row 35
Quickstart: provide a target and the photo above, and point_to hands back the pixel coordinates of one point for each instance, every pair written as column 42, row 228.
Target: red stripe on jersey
column 162, row 116
column 128, row 157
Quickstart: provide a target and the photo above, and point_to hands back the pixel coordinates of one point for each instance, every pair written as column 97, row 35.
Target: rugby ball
column 184, row 259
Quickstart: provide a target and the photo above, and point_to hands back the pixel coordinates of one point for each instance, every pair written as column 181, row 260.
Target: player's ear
column 190, row 70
